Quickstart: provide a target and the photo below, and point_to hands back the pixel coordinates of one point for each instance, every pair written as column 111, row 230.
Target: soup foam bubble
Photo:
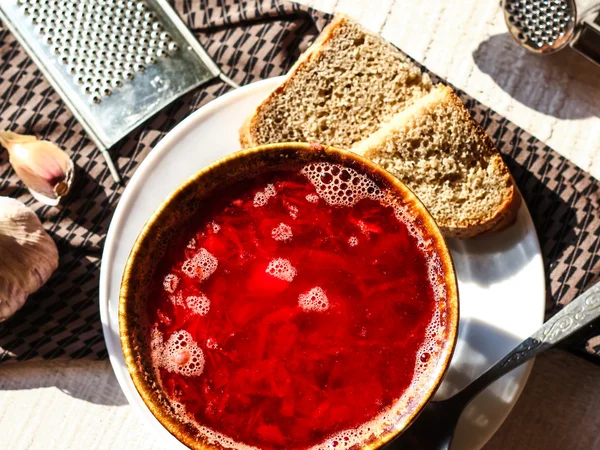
column 282, row 232
column 199, row 304
column 281, row 268
column 170, row 283
column 262, row 197
column 202, row 265
column 314, row 300
column 179, row 354
column 312, row 198
column 293, row 210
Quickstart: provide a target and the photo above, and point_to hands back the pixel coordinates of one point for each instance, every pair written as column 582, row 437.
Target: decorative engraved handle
column 573, row 317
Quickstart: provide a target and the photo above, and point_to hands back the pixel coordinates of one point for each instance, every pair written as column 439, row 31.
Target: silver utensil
column 547, row 26
column 115, row 63
column 434, row 428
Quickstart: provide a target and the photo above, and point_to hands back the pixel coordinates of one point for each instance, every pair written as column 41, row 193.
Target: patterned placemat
column 250, row 41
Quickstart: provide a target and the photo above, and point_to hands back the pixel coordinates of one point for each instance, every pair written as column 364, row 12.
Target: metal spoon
column 434, row 428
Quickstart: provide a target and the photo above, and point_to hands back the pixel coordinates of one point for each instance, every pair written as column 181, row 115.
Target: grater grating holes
column 102, row 43
column 541, row 25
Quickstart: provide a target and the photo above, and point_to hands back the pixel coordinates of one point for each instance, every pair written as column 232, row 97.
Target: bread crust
column 505, row 216
column 245, row 137
column 506, row 213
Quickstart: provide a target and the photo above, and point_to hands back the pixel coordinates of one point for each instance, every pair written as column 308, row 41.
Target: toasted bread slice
column 438, row 150
column 338, row 92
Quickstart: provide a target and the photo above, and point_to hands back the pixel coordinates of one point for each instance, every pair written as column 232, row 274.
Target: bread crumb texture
column 340, row 91
column 448, row 161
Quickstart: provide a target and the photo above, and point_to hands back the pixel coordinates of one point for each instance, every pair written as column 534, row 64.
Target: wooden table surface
column 79, row 405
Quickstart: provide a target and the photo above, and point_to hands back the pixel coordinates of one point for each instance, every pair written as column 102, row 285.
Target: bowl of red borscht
column 289, row 296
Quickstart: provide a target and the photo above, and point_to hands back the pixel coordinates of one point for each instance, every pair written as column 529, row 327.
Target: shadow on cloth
column 563, row 85
column 92, row 382
column 554, row 219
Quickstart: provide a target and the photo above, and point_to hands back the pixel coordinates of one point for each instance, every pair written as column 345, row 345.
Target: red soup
column 296, row 309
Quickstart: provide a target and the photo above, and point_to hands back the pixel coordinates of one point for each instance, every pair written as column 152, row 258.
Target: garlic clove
column 43, row 167
column 10, row 136
column 28, row 255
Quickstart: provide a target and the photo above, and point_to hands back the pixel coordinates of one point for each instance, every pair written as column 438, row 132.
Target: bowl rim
column 148, row 395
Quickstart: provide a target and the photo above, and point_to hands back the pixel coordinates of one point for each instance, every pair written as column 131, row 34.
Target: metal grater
column 547, row 26
column 115, row 63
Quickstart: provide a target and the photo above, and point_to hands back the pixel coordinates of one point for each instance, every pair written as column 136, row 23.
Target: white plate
column 500, row 277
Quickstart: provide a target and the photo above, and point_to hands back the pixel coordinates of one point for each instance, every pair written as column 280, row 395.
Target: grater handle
column 228, row 80
column 111, row 165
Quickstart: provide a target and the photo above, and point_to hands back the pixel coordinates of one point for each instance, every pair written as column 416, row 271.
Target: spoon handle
column 573, row 317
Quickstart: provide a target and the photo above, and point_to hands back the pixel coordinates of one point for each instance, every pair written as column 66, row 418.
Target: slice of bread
column 438, row 150
column 339, row 91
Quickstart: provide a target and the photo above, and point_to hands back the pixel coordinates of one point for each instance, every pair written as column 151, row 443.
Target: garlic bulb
column 28, row 255
column 46, row 170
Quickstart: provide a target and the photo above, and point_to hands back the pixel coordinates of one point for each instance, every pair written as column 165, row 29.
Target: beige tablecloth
column 558, row 410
